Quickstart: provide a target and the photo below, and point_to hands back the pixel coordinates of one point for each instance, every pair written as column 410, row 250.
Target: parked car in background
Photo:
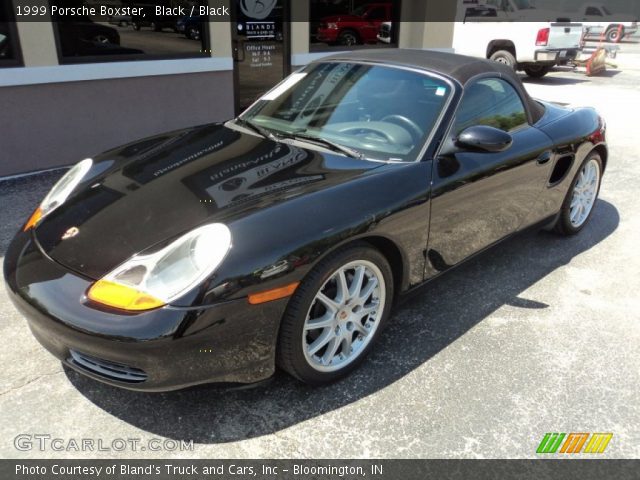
column 286, row 235
column 359, row 27
column 87, row 38
column 319, row 9
column 601, row 22
column 191, row 27
column 516, row 10
column 85, row 29
column 120, row 20
column 5, row 47
column 156, row 24
column 534, row 47
column 84, row 37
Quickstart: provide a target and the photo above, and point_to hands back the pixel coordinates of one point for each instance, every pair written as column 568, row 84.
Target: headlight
column 60, row 192
column 332, row 26
column 148, row 281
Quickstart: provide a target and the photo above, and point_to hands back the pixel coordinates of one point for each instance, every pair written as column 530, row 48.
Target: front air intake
column 106, row 369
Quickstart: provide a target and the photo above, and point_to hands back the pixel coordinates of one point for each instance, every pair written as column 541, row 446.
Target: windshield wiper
column 263, row 132
column 300, row 135
column 336, row 147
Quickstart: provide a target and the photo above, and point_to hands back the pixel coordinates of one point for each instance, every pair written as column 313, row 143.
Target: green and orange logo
column 574, row 443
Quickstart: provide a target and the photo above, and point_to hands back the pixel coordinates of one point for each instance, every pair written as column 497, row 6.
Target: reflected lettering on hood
column 248, row 179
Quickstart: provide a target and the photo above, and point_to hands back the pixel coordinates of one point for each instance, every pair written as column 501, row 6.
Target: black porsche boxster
column 283, row 237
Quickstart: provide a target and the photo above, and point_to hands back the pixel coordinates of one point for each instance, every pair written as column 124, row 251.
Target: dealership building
column 71, row 87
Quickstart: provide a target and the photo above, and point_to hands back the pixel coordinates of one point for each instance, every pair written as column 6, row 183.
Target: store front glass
column 9, row 49
column 142, row 36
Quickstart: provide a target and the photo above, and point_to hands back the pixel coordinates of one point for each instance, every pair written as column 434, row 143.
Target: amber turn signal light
column 33, row 219
column 121, row 296
column 275, row 294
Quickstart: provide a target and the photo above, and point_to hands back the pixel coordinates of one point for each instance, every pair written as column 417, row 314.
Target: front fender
column 277, row 246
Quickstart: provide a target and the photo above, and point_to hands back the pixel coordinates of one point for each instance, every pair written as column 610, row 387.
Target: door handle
column 238, row 51
column 543, row 158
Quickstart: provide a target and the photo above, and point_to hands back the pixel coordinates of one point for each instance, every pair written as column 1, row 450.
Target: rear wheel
column 614, row 34
column 505, row 57
column 537, row 71
column 336, row 315
column 578, row 204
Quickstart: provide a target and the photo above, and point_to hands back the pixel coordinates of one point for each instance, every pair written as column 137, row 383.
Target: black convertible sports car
column 284, row 236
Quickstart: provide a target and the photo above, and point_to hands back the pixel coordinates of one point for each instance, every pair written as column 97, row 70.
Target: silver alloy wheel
column 502, row 60
column 344, row 316
column 584, row 193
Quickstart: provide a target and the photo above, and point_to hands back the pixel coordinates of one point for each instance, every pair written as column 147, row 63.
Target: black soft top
column 457, row 67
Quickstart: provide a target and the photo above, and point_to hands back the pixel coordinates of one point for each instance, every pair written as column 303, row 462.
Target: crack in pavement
column 35, row 379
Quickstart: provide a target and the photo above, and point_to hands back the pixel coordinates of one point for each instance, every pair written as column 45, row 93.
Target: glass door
column 261, row 53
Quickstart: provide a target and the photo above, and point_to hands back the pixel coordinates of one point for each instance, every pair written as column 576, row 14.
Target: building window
column 9, row 48
column 144, row 35
column 352, row 24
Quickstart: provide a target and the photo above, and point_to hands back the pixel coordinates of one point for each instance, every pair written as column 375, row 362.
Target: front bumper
column 327, row 35
column 165, row 349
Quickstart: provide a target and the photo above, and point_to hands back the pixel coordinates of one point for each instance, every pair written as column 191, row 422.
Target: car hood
column 149, row 192
column 342, row 18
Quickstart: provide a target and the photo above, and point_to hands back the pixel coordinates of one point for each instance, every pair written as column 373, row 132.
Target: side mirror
column 485, row 138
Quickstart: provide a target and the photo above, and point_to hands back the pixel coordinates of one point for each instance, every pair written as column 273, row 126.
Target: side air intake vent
column 563, row 165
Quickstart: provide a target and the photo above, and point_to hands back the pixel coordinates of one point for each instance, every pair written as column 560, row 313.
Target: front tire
column 348, row 38
column 336, row 315
column 193, row 33
column 577, row 207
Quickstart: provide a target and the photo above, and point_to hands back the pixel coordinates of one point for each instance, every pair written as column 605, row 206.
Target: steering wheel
column 363, row 130
column 410, row 125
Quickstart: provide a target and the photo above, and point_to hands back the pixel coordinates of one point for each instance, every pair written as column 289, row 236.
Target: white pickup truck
column 498, row 30
column 600, row 22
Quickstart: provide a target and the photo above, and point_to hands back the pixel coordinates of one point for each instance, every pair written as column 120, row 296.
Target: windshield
column 360, row 10
column 384, row 113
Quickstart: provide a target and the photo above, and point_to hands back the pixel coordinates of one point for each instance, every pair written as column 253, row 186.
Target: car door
column 480, row 197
